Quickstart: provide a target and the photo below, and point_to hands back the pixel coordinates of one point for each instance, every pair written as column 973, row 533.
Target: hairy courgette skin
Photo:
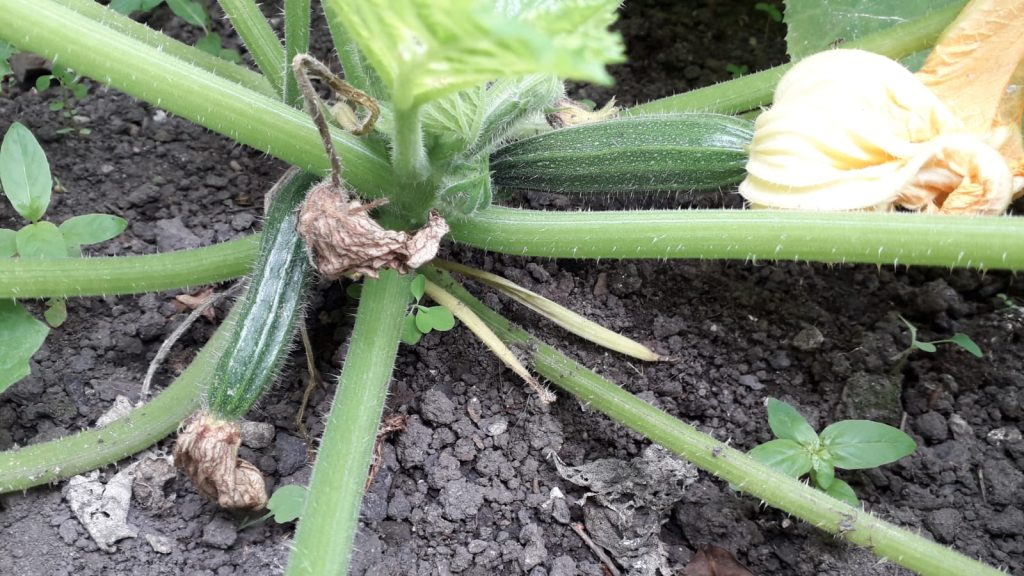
column 269, row 309
column 636, row 153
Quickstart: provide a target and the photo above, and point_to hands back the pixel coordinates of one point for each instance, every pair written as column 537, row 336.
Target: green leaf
column 56, row 312
column 56, row 106
column 20, row 336
column 424, row 49
column 814, row 25
column 25, row 173
column 418, row 286
column 209, row 43
column 770, row 10
column 231, row 55
column 786, row 423
column 354, row 291
column 824, row 473
column 786, row 456
column 41, row 240
column 91, row 229
column 842, row 491
column 287, row 503
column 8, row 244
column 79, row 90
column 923, row 346
column 434, row 318
column 43, row 82
column 856, row 444
column 148, row 5
column 6, row 51
column 190, row 11
column 964, row 341
column 411, row 334
column 126, row 7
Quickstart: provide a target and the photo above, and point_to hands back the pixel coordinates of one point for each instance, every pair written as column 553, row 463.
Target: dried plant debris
column 346, row 242
column 714, row 561
column 207, row 450
column 628, row 502
column 103, row 509
column 151, row 477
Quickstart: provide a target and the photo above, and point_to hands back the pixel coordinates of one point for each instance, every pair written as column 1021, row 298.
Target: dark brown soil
column 467, row 488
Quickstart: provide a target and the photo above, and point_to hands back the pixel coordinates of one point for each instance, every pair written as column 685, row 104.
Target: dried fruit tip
column 207, row 450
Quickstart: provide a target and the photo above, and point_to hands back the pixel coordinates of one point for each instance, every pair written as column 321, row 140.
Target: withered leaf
column 713, row 560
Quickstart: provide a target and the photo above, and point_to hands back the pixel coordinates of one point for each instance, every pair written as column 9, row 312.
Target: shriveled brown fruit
column 207, row 450
column 712, row 560
column 346, row 242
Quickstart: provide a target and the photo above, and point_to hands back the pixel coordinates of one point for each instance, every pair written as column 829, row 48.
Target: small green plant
column 192, row 12
column 70, row 90
column 849, row 444
column 6, row 51
column 770, row 10
column 26, row 182
column 959, row 339
column 423, row 319
column 736, row 70
column 285, row 505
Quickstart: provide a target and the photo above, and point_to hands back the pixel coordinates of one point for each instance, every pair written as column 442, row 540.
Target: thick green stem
column 125, row 25
column 409, row 152
column 68, row 277
column 58, row 459
column 323, row 542
column 42, row 26
column 755, row 90
column 296, row 41
column 993, row 243
column 792, row 496
column 259, row 39
column 357, row 72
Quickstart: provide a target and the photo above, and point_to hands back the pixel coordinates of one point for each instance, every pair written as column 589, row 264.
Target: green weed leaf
column 824, row 473
column 8, row 243
column 210, row 43
column 964, row 341
column 842, row 491
column 434, row 318
column 41, row 240
column 786, row 456
column 91, row 229
column 287, row 502
column 923, row 346
column 25, row 173
column 126, row 7
column 418, row 286
column 56, row 312
column 20, row 336
column 787, row 424
column 190, row 11
column 411, row 334
column 424, row 49
column 856, row 444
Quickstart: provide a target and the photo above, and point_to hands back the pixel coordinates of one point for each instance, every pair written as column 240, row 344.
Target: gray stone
column 943, row 524
column 171, row 234
column 563, row 566
column 932, row 426
column 1004, row 481
column 461, row 499
column 220, row 533
column 1009, row 522
column 436, row 407
column 290, row 452
column 257, row 435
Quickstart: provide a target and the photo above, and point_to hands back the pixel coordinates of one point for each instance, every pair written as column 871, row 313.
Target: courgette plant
column 455, row 81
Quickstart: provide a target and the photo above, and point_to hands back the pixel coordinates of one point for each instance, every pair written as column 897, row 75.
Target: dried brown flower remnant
column 346, row 242
column 207, row 450
column 571, row 113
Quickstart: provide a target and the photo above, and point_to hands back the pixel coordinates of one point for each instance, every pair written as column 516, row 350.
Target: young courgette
column 207, row 449
column 636, row 153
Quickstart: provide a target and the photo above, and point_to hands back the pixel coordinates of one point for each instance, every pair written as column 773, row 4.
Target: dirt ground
column 471, row 486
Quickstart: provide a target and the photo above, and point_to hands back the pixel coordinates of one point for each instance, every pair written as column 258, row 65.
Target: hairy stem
column 58, row 459
column 994, row 243
column 296, row 41
column 409, row 154
column 775, row 489
column 125, row 25
column 259, row 39
column 41, row 26
column 323, row 542
column 755, row 90
column 68, row 277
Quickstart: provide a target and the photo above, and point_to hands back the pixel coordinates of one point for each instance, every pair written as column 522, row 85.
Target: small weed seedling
column 736, row 70
column 959, row 339
column 285, row 505
column 190, row 11
column 770, row 10
column 6, row 51
column 70, row 91
column 422, row 319
column 848, row 444
column 27, row 184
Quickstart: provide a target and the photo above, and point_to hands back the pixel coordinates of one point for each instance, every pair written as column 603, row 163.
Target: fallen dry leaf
column 712, row 560
column 207, row 450
column 192, row 301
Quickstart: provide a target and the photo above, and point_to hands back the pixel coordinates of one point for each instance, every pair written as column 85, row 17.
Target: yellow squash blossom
column 853, row 130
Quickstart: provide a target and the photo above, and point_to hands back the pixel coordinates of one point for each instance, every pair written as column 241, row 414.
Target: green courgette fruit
column 637, row 153
column 269, row 309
